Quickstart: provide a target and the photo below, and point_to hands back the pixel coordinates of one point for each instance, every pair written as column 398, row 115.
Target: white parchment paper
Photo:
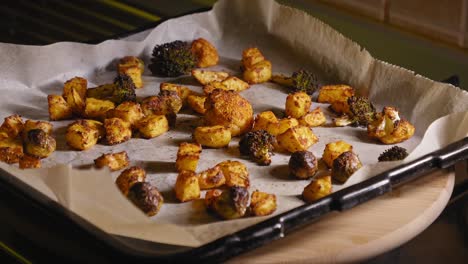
column 291, row 39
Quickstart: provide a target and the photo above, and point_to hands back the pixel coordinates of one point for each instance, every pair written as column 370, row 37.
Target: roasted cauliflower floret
column 298, row 104
column 297, row 139
column 115, row 161
column 129, row 177
column 188, row 156
column 303, row 165
column 258, row 145
column 317, row 188
column 83, row 134
column 133, row 67
column 58, row 108
column 146, row 197
column 212, row 136
column 153, row 126
column 262, row 203
column 187, row 187
column 205, row 52
column 235, row 172
column 211, row 178
column 333, row 150
column 117, row 130
column 389, row 128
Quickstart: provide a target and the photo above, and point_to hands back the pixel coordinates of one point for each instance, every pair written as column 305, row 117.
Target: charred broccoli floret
column 172, row 59
column 258, row 145
column 123, row 89
column 361, row 110
column 300, row 81
column 393, row 153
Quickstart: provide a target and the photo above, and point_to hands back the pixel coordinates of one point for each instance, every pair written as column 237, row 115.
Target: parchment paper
column 291, row 39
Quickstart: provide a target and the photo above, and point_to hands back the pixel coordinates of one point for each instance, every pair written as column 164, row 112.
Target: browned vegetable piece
column 167, row 102
column 133, row 67
column 127, row 111
column 333, row 150
column 212, row 136
column 42, row 125
column 74, row 92
column 205, row 52
column 115, row 161
column 188, row 156
column 344, row 166
column 129, row 177
column 117, row 130
column 12, row 126
column 297, row 104
column 264, row 120
column 29, row 162
column 210, row 197
column 182, row 91
column 187, row 187
column 58, row 108
column 303, row 164
column 389, row 127
column 334, row 93
column 205, row 77
column 262, row 203
column 314, row 118
column 153, row 126
column 297, row 139
column 317, row 189
column 83, row 134
column 97, row 109
column 231, row 83
column 211, row 178
column 197, row 103
column 146, row 197
column 251, row 56
column 258, row 73
column 235, row 172
column 232, row 203
column 39, row 144
column 11, row 150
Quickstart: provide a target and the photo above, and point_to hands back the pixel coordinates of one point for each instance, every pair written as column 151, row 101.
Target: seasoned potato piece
column 97, row 109
column 334, row 93
column 133, row 67
column 232, row 203
column 297, row 104
column 197, row 103
column 182, row 91
column 314, row 118
column 340, row 107
column 58, row 108
column 212, row 136
column 390, row 128
column 146, row 197
column 235, row 84
column 29, row 162
column 11, row 150
column 117, row 130
column 12, row 126
column 251, row 56
column 333, row 150
column 31, row 124
column 153, row 126
column 260, row 72
column 205, row 52
column 264, row 120
column 83, row 134
column 209, row 88
column 262, row 203
column 317, row 189
column 127, row 111
column 74, row 92
column 129, row 177
column 39, row 144
column 188, row 156
column 187, row 187
column 210, row 197
column 205, row 77
column 297, row 139
column 211, row 178
column 115, row 161
column 235, row 172
column 282, row 126
column 229, row 109
column 167, row 102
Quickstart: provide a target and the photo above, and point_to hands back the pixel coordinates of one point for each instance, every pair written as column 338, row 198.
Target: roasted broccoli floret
column 393, row 153
column 258, row 145
column 172, row 59
column 361, row 110
column 300, row 81
column 123, row 89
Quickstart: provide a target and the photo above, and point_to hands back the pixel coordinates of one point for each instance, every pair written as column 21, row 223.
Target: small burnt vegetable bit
column 232, row 203
column 39, row 144
column 300, row 81
column 393, row 153
column 172, row 59
column 124, row 89
column 344, row 166
column 303, row 164
column 361, row 111
column 146, row 197
column 258, row 145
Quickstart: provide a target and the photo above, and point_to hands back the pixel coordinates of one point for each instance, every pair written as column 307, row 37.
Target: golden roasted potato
column 317, row 189
column 229, row 109
column 74, row 92
column 127, row 111
column 117, row 130
column 235, row 172
column 209, row 88
column 314, row 118
column 260, row 72
column 205, row 52
column 265, row 120
column 167, row 102
column 262, row 203
column 129, row 177
column 211, row 178
column 340, row 107
column 210, row 197
column 83, row 134
column 11, row 150
column 188, row 156
column 344, row 166
column 12, row 126
column 212, row 136
column 182, row 91
column 297, row 139
column 187, row 187
column 29, row 162
column 31, row 124
column 251, row 56
column 333, row 150
column 153, row 126
column 58, row 108
column 235, row 84
column 197, row 103
column 205, row 77
column 115, row 161
column 133, row 67
column 146, row 197
column 297, row 104
column 97, row 109
column 282, row 126
column 390, row 128
column 334, row 93
column 39, row 144
column 232, row 203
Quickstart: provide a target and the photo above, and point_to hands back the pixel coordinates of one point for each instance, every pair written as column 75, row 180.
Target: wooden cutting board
column 364, row 231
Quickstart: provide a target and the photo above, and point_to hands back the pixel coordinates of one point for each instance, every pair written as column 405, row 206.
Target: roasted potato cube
column 187, row 187
column 340, row 107
column 235, row 172
column 97, row 109
column 30, row 125
column 209, row 88
column 317, row 189
column 205, row 52
column 205, row 77
column 333, row 150
column 29, row 162
column 297, row 104
column 258, row 73
column 167, row 102
column 297, row 139
column 133, row 67
column 390, row 128
column 182, row 91
column 58, row 108
column 188, row 156
column 211, row 178
column 282, row 126
column 251, row 56
column 127, row 111
column 129, row 177
column 344, row 166
column 303, row 165
column 117, row 130
column 262, row 203
column 314, row 118
column 232, row 203
column 334, row 93
column 74, row 92
column 153, row 126
column 212, row 136
column 12, row 126
column 197, row 103
column 146, row 197
column 115, row 161
column 265, row 120
column 235, row 84
column 83, row 134
column 11, row 150
column 210, row 197
column 39, row 144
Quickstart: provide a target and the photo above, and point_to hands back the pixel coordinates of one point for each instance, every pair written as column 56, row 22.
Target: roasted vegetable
column 29, row 162
column 11, row 150
column 314, row 118
column 206, row 53
column 182, row 91
column 188, row 156
column 167, row 102
column 117, row 130
column 333, row 150
column 129, row 177
column 187, row 187
column 152, row 126
column 197, row 103
column 235, row 172
column 231, row 83
column 232, row 203
column 83, row 134
column 133, row 67
column 97, row 108
column 205, row 77
column 115, row 161
column 344, row 166
column 360, row 112
column 393, row 153
column 262, row 203
column 31, row 124
column 317, row 189
column 39, row 144
column 211, row 178
column 299, row 81
column 58, row 108
column 12, row 126
column 297, row 104
column 335, row 93
column 74, row 92
column 258, row 145
column 210, row 197
column 146, row 197
column 122, row 90
column 127, row 111
column 172, row 59
column 256, row 69
column 389, row 128
column 303, row 164
column 212, row 136
column 297, row 139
